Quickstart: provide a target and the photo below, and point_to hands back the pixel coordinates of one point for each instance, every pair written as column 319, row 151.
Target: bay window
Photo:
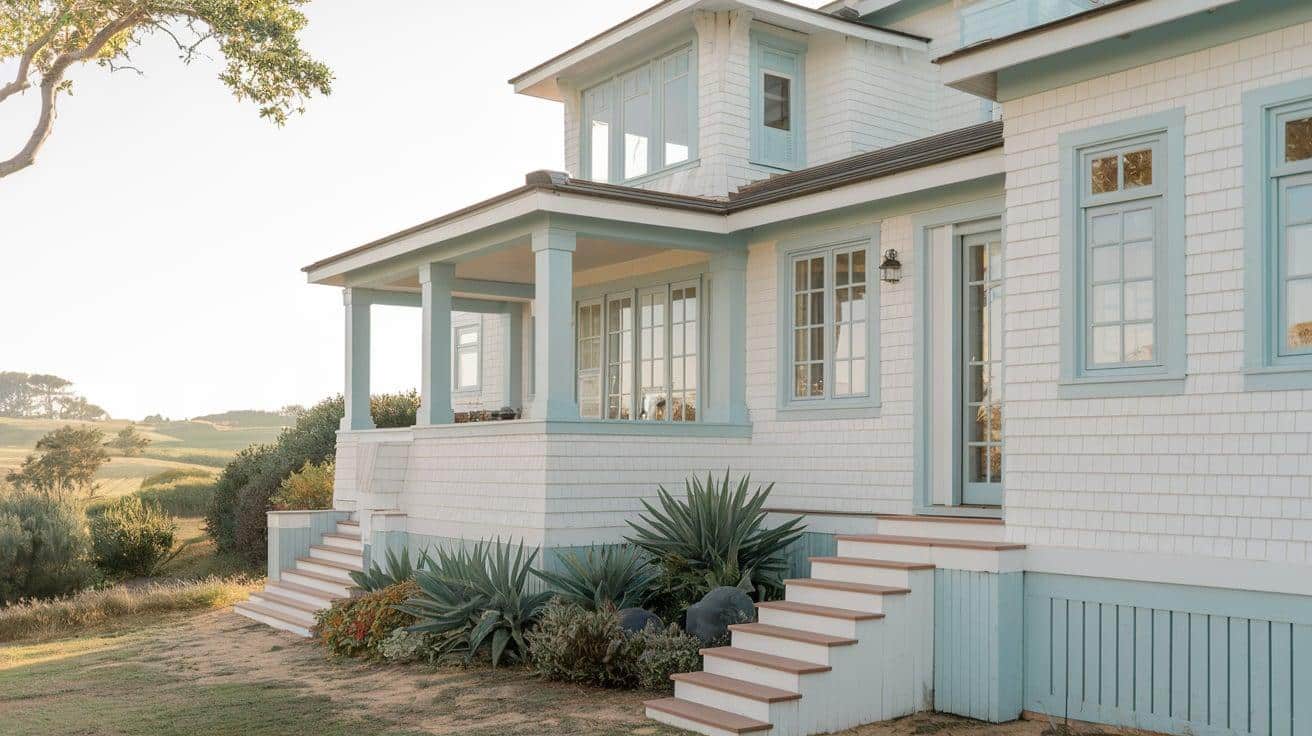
column 641, row 121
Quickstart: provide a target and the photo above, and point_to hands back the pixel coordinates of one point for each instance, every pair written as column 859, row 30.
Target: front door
column 981, row 369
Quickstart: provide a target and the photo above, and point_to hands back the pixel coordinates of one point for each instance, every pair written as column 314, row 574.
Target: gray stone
column 633, row 620
column 709, row 618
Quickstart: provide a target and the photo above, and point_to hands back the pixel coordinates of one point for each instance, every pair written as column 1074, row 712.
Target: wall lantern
column 891, row 269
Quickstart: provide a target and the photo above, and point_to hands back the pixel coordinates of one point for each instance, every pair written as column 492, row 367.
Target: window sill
column 638, row 181
column 796, row 413
column 1278, row 378
column 1121, row 387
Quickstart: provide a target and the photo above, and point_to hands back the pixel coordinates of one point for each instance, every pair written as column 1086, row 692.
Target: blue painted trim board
column 977, row 644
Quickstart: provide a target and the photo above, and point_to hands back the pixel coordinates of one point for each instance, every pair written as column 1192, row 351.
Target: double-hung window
column 777, row 75
column 642, row 121
column 829, row 315
column 1122, row 258
column 638, row 353
column 1278, row 162
column 468, row 340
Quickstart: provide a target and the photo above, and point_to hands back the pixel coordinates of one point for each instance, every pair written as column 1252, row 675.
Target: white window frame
column 457, row 349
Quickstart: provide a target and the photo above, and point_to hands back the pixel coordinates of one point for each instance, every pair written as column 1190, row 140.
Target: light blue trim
column 797, row 99
column 967, row 213
column 1076, row 381
column 978, row 633
column 825, row 241
column 1264, row 368
column 293, row 533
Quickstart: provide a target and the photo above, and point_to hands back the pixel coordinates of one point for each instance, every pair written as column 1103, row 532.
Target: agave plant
column 608, row 576
column 399, row 569
column 715, row 535
column 472, row 596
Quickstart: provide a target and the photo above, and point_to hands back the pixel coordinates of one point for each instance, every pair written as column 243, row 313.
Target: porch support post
column 356, row 392
column 514, row 372
column 553, row 304
column 728, row 351
column 435, row 280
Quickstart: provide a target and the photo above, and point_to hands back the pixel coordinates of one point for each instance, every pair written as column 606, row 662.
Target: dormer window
column 641, row 121
column 777, row 69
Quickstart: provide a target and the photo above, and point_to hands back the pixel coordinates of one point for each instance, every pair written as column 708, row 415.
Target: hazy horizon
column 153, row 253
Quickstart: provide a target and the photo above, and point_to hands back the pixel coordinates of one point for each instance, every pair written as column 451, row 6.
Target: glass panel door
column 981, row 352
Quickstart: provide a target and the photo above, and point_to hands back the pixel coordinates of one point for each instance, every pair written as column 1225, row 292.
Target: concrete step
column 951, row 527
column 844, row 622
column 269, row 617
column 782, row 641
column 838, row 594
column 332, row 553
column 332, row 586
column 861, row 570
column 702, row 718
column 952, row 554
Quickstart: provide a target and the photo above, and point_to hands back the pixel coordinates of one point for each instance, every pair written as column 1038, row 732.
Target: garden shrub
column 358, row 626
column 308, row 489
column 131, row 538
column 399, row 569
column 402, row 647
column 574, row 644
column 44, row 546
column 618, row 577
column 664, row 652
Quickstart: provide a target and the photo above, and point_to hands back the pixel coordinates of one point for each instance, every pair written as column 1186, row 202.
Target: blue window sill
column 1278, row 378
column 1120, row 387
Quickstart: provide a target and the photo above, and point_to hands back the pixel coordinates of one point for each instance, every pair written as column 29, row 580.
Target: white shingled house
column 1010, row 299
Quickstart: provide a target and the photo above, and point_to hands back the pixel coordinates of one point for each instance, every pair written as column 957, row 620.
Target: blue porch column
column 514, row 351
column 356, row 392
column 727, row 396
column 553, row 304
column 435, row 281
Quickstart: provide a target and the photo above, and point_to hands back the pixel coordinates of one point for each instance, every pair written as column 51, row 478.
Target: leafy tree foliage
column 44, row 546
column 66, row 460
column 258, row 40
column 43, row 396
column 129, row 442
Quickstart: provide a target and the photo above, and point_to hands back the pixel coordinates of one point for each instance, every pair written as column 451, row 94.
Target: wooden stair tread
column 338, row 550
column 769, row 661
column 863, row 562
column 287, row 618
column 708, row 716
column 320, row 576
column 940, row 519
column 847, row 587
column 349, row 523
column 826, row 611
column 302, row 589
column 300, row 605
column 782, row 632
column 930, row 542
column 741, row 688
column 329, row 563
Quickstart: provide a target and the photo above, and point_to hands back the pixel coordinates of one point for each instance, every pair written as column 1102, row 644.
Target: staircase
column 316, row 581
column 852, row 644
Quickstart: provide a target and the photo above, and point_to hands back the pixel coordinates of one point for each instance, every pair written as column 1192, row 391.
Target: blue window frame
column 1278, row 236
column 777, row 98
column 642, row 121
column 1122, row 258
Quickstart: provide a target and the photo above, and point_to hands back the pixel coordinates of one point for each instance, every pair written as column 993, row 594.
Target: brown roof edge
column 1035, row 30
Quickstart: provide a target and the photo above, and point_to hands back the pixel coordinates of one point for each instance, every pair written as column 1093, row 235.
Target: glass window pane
column 1138, row 168
column 817, row 379
column 995, row 261
column 1139, row 261
column 1298, row 139
column 590, row 396
column 677, row 93
column 801, row 346
column 599, row 148
column 1299, row 204
column 817, row 343
column 978, row 465
column 859, row 267
column 467, row 369
column 817, row 310
column 842, row 308
column 1106, row 345
column 636, row 93
column 1106, row 264
column 817, row 273
column 1138, row 343
column 859, row 302
column 1298, row 245
column 799, row 281
column 1106, row 303
column 799, row 310
column 858, row 333
column 1299, row 313
column 841, row 269
column 597, row 113
column 1106, row 229
column 1139, row 300
column 801, row 387
column 778, row 102
column 842, row 342
column 859, row 377
column 1139, row 224
column 1102, row 175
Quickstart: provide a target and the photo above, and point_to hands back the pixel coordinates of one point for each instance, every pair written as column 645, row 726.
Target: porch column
column 553, row 302
column 514, row 355
column 435, row 281
column 728, row 351
column 356, row 392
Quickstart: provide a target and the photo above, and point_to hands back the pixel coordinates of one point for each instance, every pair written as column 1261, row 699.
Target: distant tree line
column 43, row 396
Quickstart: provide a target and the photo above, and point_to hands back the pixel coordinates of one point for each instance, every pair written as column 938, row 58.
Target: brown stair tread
column 320, row 576
column 339, row 550
column 782, row 632
column 302, row 589
column 300, row 605
column 769, row 661
column 863, row 562
column 708, row 716
column 255, row 607
column 930, row 542
column 349, row 523
column 941, row 519
column 826, row 611
column 847, row 587
column 329, row 563
column 741, row 688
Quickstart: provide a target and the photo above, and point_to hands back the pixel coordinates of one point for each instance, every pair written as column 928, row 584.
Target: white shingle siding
column 1216, row 471
column 952, row 108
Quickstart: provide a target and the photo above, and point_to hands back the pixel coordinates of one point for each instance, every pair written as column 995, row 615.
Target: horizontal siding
column 1212, row 662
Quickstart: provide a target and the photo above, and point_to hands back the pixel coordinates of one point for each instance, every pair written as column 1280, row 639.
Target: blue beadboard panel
column 811, row 544
column 1169, row 658
column 978, row 644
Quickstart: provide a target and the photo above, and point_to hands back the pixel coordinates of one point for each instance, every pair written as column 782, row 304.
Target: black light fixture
column 891, row 269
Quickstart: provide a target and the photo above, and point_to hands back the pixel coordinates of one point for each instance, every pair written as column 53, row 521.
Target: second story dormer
column 700, row 97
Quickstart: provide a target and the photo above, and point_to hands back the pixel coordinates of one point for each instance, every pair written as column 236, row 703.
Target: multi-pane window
column 981, row 328
column 641, row 121
column 648, row 339
column 467, row 355
column 831, row 324
column 1291, row 190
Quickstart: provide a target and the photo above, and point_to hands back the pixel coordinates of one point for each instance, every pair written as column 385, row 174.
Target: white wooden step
column 764, row 669
column 344, row 555
column 348, row 527
column 256, row 612
column 950, row 554
column 702, row 719
column 327, row 568
column 826, row 620
column 837, row 594
column 949, row 527
column 749, row 699
column 348, row 541
column 332, row 586
column 871, row 572
column 310, row 596
column 807, row 646
column 289, row 608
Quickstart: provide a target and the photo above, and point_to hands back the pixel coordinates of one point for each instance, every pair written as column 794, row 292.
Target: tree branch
column 21, row 81
column 50, row 83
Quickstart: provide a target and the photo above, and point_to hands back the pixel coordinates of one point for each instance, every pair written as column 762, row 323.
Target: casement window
column 642, row 121
column 777, row 75
column 467, row 357
column 1122, row 258
column 638, row 354
column 1278, row 212
column 829, row 316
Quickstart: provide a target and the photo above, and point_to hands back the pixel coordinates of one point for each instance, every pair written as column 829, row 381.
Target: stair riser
column 942, row 530
column 819, row 624
column 348, row 529
column 781, row 647
column 880, row 551
column 891, row 577
column 318, row 601
column 301, row 631
column 347, row 542
column 347, row 558
column 334, row 589
column 752, row 673
column 724, row 701
column 296, row 614
column 868, row 602
column 335, row 573
column 688, row 725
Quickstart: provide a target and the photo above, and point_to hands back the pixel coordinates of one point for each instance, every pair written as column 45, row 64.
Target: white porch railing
column 997, row 18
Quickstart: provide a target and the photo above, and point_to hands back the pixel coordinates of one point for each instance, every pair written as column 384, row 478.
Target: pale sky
column 153, row 253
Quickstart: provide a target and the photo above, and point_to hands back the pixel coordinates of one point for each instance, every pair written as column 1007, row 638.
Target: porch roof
column 975, row 151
